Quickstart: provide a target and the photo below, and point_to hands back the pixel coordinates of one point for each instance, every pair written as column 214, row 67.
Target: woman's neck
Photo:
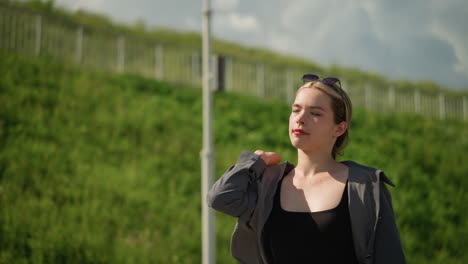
column 309, row 164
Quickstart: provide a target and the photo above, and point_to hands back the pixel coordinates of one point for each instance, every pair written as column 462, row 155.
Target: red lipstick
column 299, row 132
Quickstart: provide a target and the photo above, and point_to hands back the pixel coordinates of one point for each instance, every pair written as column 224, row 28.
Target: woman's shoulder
column 354, row 164
column 362, row 172
column 279, row 170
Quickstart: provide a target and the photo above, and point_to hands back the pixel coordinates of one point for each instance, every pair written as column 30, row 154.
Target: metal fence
column 38, row 34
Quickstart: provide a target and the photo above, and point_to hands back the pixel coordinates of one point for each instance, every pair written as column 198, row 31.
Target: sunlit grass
column 105, row 168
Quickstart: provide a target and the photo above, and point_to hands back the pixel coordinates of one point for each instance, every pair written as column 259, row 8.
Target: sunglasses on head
column 335, row 84
column 330, row 81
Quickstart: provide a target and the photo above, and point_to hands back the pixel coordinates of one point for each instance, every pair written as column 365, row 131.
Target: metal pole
column 207, row 153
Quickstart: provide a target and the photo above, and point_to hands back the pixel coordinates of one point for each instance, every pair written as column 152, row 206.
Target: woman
column 320, row 211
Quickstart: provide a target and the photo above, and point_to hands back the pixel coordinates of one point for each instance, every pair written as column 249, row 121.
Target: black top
column 304, row 237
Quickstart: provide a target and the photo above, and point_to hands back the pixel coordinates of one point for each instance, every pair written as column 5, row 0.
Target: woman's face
column 311, row 124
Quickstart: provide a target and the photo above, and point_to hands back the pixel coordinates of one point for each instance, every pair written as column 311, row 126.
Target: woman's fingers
column 270, row 158
column 273, row 158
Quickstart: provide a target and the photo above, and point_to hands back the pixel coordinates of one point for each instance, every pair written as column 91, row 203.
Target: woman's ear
column 341, row 128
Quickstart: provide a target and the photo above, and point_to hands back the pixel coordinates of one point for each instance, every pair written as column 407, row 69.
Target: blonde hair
column 342, row 110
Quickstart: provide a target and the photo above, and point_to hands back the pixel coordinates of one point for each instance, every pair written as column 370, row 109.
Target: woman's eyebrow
column 317, row 107
column 310, row 107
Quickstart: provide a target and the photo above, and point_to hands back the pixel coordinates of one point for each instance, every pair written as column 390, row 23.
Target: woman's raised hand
column 270, row 158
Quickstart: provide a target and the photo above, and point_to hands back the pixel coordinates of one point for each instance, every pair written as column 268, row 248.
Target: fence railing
column 38, row 34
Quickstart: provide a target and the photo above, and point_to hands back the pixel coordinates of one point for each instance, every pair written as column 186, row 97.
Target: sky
column 400, row 39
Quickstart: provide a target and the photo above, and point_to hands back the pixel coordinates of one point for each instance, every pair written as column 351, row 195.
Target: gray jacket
column 247, row 188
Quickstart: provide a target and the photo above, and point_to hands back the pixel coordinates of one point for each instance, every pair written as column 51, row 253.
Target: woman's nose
column 300, row 118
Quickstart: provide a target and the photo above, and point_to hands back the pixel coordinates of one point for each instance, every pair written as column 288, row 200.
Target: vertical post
column 183, row 60
column 289, row 86
column 20, row 34
column 391, row 98
column 432, row 106
column 207, row 153
column 195, row 69
column 260, row 81
column 368, row 97
column 344, row 85
column 214, row 73
column 178, row 61
column 2, row 30
column 417, row 101
column 121, row 54
column 79, row 45
column 465, row 108
column 25, row 43
column 229, row 73
column 159, row 61
column 58, row 48
column 37, row 49
column 441, row 106
column 13, row 32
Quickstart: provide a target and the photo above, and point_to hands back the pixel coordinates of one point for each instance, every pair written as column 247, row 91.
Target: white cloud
column 449, row 25
column 393, row 21
column 225, row 5
column 240, row 23
column 244, row 23
column 281, row 41
column 192, row 23
column 327, row 32
column 402, row 39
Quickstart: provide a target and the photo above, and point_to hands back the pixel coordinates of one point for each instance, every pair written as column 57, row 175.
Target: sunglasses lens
column 331, row 81
column 309, row 78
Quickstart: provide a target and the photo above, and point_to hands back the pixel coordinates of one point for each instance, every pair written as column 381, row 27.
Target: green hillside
column 105, row 168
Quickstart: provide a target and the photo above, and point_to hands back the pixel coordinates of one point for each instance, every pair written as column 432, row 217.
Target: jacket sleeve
column 235, row 193
column 388, row 247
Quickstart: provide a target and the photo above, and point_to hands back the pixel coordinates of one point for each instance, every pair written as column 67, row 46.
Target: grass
column 105, row 168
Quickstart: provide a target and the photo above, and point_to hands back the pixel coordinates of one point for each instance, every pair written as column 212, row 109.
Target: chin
column 304, row 145
column 297, row 143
